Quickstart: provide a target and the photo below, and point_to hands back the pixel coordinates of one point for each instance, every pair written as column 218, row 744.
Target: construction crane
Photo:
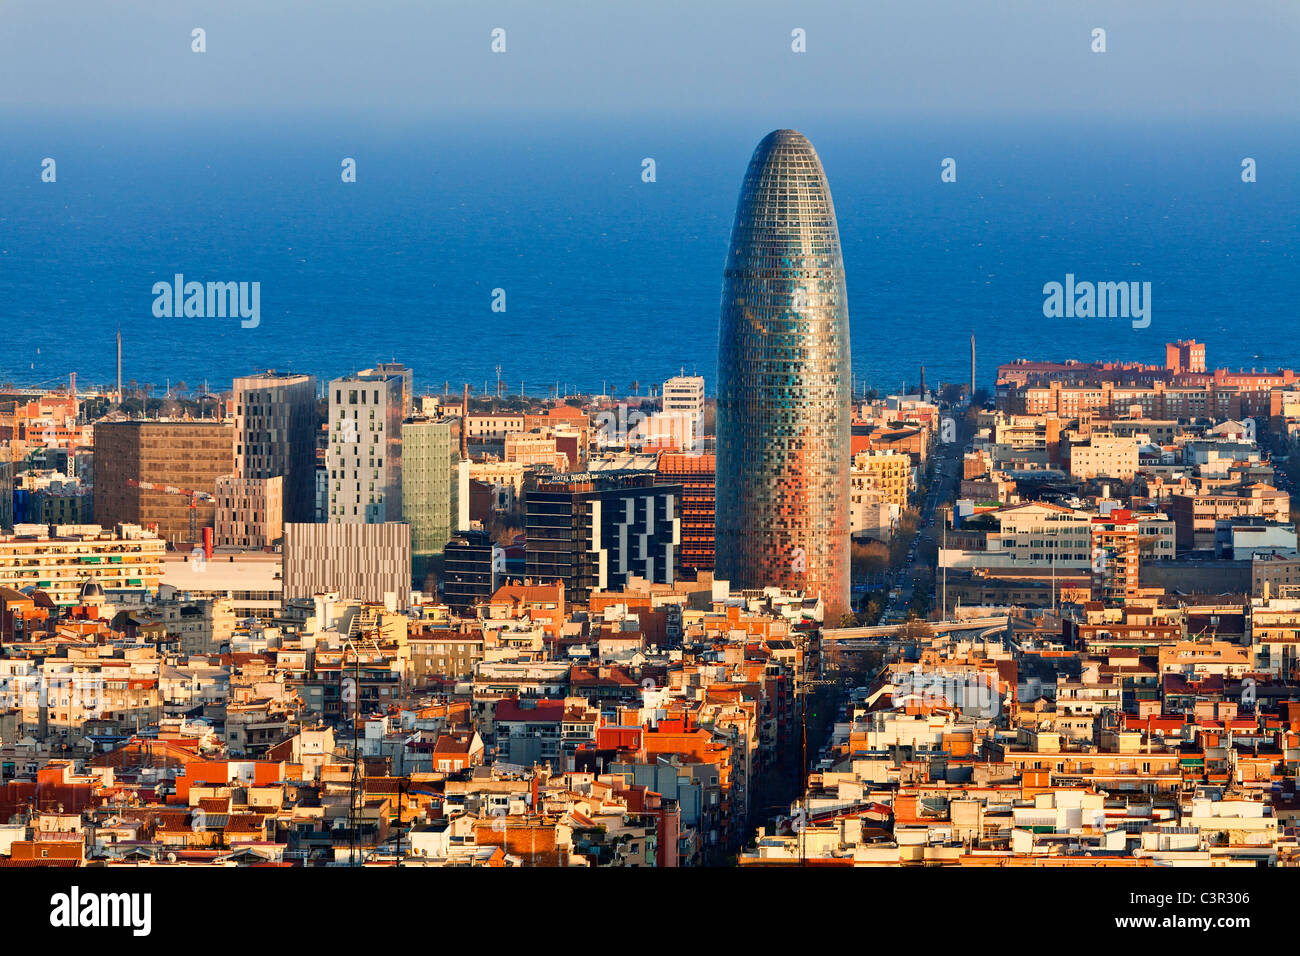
column 194, row 496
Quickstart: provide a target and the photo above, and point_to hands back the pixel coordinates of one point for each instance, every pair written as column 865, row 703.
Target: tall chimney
column 464, row 424
column 119, row 365
column 972, row 368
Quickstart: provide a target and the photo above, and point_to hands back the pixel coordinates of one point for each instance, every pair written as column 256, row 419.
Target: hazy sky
column 418, row 58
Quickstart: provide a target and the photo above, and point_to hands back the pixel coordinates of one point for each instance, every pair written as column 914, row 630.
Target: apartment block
column 683, row 402
column 127, row 557
column 882, row 476
column 250, row 512
column 594, row 532
column 697, row 476
column 1104, row 456
column 1115, row 556
column 1197, row 514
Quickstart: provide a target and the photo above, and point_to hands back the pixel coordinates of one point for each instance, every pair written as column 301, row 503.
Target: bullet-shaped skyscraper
column 784, row 383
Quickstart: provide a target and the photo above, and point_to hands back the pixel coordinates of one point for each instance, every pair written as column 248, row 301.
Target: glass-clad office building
column 783, row 383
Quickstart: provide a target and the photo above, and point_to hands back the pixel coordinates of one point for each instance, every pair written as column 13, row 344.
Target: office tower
column 364, row 457
column 362, row 562
column 697, row 475
column 430, row 459
column 145, row 472
column 471, row 567
column 594, row 532
column 275, row 434
column 784, row 383
column 683, row 400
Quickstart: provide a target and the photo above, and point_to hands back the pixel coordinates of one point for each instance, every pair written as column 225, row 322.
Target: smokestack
column 972, row 368
column 464, row 424
column 923, row 383
column 119, row 365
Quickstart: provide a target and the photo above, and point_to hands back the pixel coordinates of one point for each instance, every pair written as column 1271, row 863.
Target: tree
column 871, row 613
column 917, row 630
column 868, row 557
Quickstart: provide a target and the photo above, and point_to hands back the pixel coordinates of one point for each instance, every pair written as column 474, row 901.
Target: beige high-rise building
column 250, row 512
column 362, row 562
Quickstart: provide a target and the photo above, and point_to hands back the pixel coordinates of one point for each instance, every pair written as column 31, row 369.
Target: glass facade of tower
column 430, row 455
column 783, row 383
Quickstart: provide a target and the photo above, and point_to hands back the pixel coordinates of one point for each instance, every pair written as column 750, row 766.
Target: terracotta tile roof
column 457, row 744
column 6, row 861
column 244, row 823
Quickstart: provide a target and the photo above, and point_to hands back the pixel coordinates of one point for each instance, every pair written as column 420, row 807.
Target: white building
column 683, row 401
column 1105, row 456
column 120, row 558
column 1031, row 535
column 1249, row 540
column 364, row 459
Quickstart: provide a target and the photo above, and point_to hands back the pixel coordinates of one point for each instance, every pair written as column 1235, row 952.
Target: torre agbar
column 783, row 383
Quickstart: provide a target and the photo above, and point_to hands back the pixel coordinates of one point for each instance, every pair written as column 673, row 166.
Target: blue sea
column 610, row 280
